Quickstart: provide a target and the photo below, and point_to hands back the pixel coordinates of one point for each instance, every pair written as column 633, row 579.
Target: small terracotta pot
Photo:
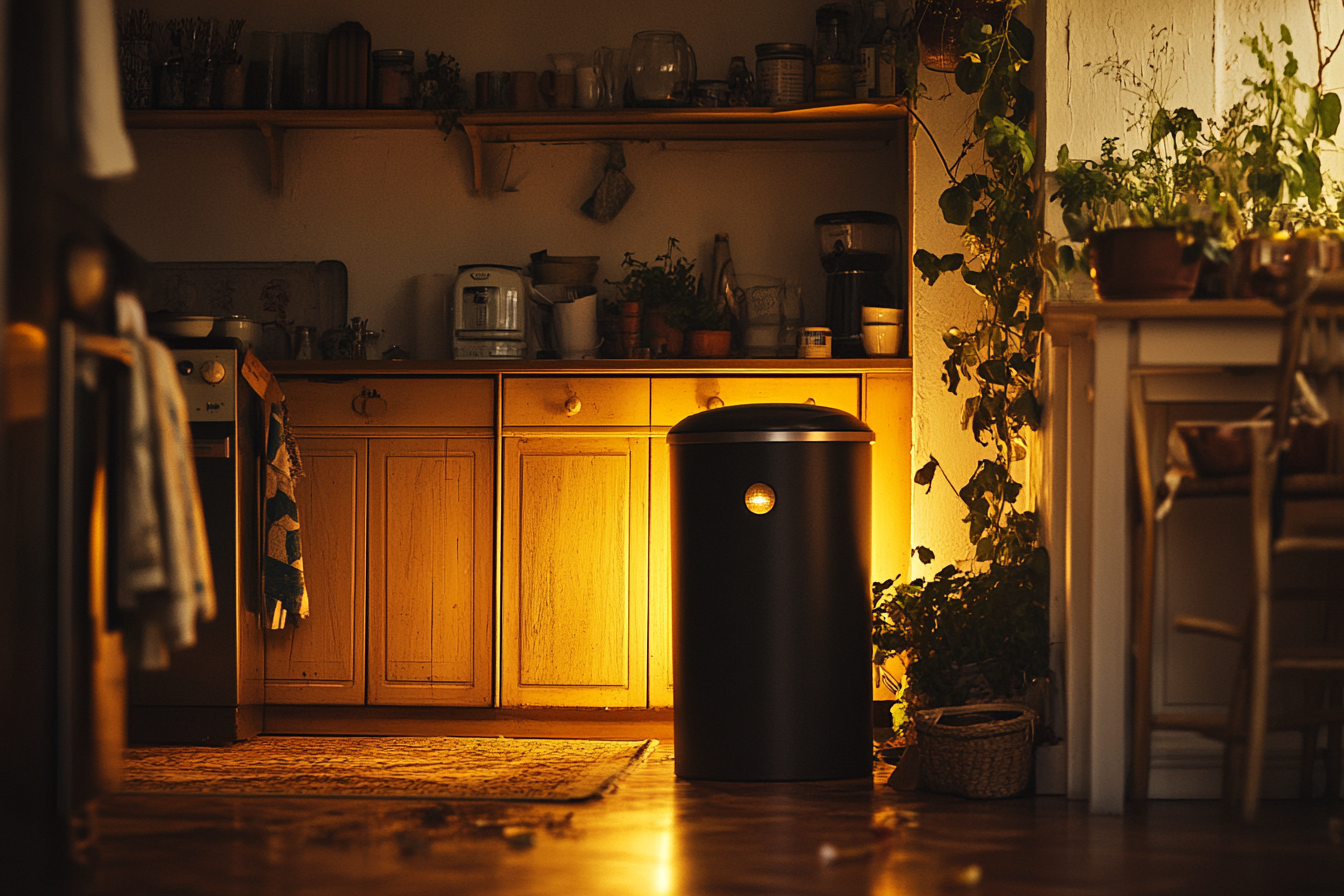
column 710, row 343
column 662, row 336
column 1141, row 263
column 631, row 309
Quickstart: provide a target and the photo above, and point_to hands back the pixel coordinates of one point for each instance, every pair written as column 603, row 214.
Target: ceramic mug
column 523, row 90
column 882, row 340
column 587, row 87
column 558, row 89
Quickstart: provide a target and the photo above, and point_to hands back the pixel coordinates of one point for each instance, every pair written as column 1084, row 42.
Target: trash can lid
column 770, row 423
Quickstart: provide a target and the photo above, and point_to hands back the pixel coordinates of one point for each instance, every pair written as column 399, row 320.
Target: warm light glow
column 760, row 498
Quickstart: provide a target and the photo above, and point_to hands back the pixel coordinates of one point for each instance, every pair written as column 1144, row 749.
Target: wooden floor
column 657, row 835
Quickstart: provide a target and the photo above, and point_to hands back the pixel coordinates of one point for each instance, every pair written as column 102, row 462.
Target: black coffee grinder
column 857, row 252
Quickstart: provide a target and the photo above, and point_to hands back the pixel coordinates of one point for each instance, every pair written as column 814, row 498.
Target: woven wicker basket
column 985, row 760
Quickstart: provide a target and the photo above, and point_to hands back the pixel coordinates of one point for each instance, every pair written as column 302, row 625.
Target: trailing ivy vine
column 992, row 196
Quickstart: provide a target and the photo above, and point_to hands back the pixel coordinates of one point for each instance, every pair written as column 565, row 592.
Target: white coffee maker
column 488, row 315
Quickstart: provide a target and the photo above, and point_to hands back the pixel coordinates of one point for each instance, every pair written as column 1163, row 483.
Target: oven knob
column 212, row 372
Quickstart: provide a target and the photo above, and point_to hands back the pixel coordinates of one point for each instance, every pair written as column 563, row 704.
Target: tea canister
column 393, row 79
column 814, row 342
column 781, row 74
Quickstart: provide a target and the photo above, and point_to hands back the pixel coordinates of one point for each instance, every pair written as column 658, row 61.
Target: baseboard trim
column 449, row 721
column 1188, row 766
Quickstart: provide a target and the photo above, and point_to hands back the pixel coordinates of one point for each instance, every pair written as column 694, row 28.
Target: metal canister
column 781, row 74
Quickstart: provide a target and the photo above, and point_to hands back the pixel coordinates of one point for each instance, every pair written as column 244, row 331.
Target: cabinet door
column 321, row 659
column 430, row 563
column 575, row 586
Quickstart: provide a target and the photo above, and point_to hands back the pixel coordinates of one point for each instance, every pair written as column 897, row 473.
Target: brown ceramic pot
column 710, row 343
column 1141, row 263
column 665, row 341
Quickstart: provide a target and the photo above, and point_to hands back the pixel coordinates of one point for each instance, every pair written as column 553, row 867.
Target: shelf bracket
column 275, row 149
column 477, row 156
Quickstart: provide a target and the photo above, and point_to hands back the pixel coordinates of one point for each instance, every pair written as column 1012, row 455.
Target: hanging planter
column 940, row 24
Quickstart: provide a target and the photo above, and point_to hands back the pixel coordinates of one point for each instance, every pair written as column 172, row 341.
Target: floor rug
column 462, row 768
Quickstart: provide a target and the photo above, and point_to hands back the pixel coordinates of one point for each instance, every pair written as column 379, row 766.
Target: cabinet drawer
column 576, row 401
column 392, row 401
column 676, row 398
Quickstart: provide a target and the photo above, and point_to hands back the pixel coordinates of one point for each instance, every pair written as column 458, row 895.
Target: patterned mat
column 465, row 768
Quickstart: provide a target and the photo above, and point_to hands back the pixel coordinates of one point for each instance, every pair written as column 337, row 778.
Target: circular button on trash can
column 772, row 627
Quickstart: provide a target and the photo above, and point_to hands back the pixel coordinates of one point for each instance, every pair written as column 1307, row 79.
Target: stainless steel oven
column 212, row 693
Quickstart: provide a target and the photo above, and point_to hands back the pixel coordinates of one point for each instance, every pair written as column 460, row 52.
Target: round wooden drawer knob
column 713, row 402
column 573, row 405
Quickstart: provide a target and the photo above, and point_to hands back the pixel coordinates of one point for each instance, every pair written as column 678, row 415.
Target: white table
column 1091, row 352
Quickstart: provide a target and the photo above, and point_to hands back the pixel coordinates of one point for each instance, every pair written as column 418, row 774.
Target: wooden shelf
column 876, row 121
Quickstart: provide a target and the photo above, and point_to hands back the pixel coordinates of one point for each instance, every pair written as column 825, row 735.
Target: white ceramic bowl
column 193, row 326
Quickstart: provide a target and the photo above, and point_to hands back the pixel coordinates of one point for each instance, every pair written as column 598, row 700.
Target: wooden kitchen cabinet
column 397, row 515
column 321, row 659
column 431, row 521
column 575, row 570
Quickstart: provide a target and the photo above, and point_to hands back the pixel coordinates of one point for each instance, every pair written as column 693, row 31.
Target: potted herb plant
column 666, row 289
column 1138, row 217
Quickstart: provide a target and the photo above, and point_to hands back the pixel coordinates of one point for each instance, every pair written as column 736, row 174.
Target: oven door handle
column 211, row 447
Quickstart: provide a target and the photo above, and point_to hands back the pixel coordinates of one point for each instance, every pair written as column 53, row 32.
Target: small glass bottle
column 303, row 343
column 741, row 88
column 833, row 74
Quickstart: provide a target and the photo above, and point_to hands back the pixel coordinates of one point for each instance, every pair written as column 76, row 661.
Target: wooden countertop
column 679, row 366
column 1169, row 309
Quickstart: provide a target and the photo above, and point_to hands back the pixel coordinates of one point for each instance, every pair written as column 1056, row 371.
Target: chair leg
column 1262, row 470
column 1234, row 744
column 1334, row 744
column 1313, row 692
column 1141, row 732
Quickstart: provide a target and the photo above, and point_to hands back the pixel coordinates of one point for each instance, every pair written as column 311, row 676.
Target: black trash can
column 772, row 627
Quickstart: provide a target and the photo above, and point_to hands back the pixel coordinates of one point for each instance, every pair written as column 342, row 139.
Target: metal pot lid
column 770, row 423
column 243, row 318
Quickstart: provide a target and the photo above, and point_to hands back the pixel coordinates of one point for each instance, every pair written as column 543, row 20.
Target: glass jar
column 781, row 74
column 393, row 79
column 834, row 73
column 741, row 87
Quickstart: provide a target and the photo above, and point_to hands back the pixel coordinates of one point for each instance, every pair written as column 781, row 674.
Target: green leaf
column 1021, row 40
column 951, row 262
column 1028, row 408
column 993, row 103
column 1311, row 177
column 924, row 475
column 956, row 204
column 995, row 371
column 952, row 374
column 1068, row 263
column 984, row 549
column 929, row 266
column 970, row 75
column 1285, row 36
column 1327, row 116
column 925, row 555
